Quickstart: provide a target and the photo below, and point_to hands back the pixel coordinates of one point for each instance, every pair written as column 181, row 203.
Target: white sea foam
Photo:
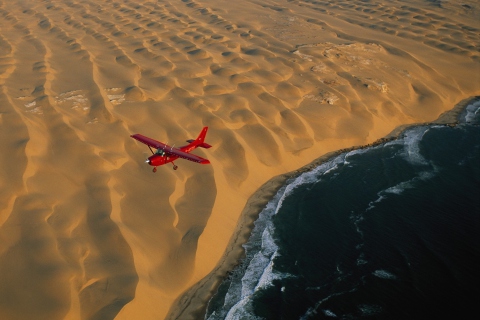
column 311, row 312
column 269, row 275
column 404, row 185
column 309, row 177
column 259, row 271
column 352, row 153
column 250, row 279
column 399, row 188
column 258, row 276
column 472, row 112
column 370, row 309
column 242, row 310
column 357, row 219
column 384, row 274
column 371, row 205
column 411, row 152
column 361, row 262
column 411, row 141
column 394, row 142
column 329, row 313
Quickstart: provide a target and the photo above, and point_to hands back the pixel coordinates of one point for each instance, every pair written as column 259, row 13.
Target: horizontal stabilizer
column 204, row 145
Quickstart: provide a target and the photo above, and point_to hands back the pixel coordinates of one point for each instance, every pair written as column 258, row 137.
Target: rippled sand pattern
column 87, row 231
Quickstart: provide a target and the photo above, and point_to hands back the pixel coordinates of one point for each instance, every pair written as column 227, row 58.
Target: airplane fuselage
column 162, row 157
column 158, row 160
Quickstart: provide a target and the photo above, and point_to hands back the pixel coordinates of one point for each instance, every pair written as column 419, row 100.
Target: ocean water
column 385, row 232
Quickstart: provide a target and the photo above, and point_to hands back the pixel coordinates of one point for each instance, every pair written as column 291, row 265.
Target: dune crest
column 87, row 231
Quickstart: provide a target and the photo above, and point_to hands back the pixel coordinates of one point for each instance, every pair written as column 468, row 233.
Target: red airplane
column 166, row 153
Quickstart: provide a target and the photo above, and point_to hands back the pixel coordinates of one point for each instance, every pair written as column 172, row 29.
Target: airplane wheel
column 175, row 167
column 154, row 170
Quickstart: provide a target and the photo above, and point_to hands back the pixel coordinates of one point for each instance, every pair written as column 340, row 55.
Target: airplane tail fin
column 200, row 141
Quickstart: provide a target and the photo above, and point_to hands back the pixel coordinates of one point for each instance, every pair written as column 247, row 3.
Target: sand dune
column 87, row 231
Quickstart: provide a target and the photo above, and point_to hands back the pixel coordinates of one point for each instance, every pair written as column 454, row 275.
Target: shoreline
column 193, row 303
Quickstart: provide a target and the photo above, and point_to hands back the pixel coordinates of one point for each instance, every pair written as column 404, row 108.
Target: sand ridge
column 87, row 231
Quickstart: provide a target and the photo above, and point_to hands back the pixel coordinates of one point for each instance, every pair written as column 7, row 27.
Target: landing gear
column 154, row 169
column 175, row 167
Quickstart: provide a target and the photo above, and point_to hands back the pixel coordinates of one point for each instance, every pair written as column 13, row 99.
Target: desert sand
column 87, row 231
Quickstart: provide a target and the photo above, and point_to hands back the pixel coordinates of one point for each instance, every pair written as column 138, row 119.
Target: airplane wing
column 187, row 156
column 150, row 142
column 169, row 150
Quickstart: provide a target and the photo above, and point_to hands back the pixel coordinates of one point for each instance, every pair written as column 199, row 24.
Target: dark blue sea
column 386, row 232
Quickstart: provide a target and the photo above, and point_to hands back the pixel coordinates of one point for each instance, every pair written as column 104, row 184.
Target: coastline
column 192, row 304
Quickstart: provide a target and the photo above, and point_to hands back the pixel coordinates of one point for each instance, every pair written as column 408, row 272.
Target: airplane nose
column 147, row 161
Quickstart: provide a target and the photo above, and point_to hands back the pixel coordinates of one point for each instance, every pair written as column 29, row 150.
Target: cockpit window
column 160, row 152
